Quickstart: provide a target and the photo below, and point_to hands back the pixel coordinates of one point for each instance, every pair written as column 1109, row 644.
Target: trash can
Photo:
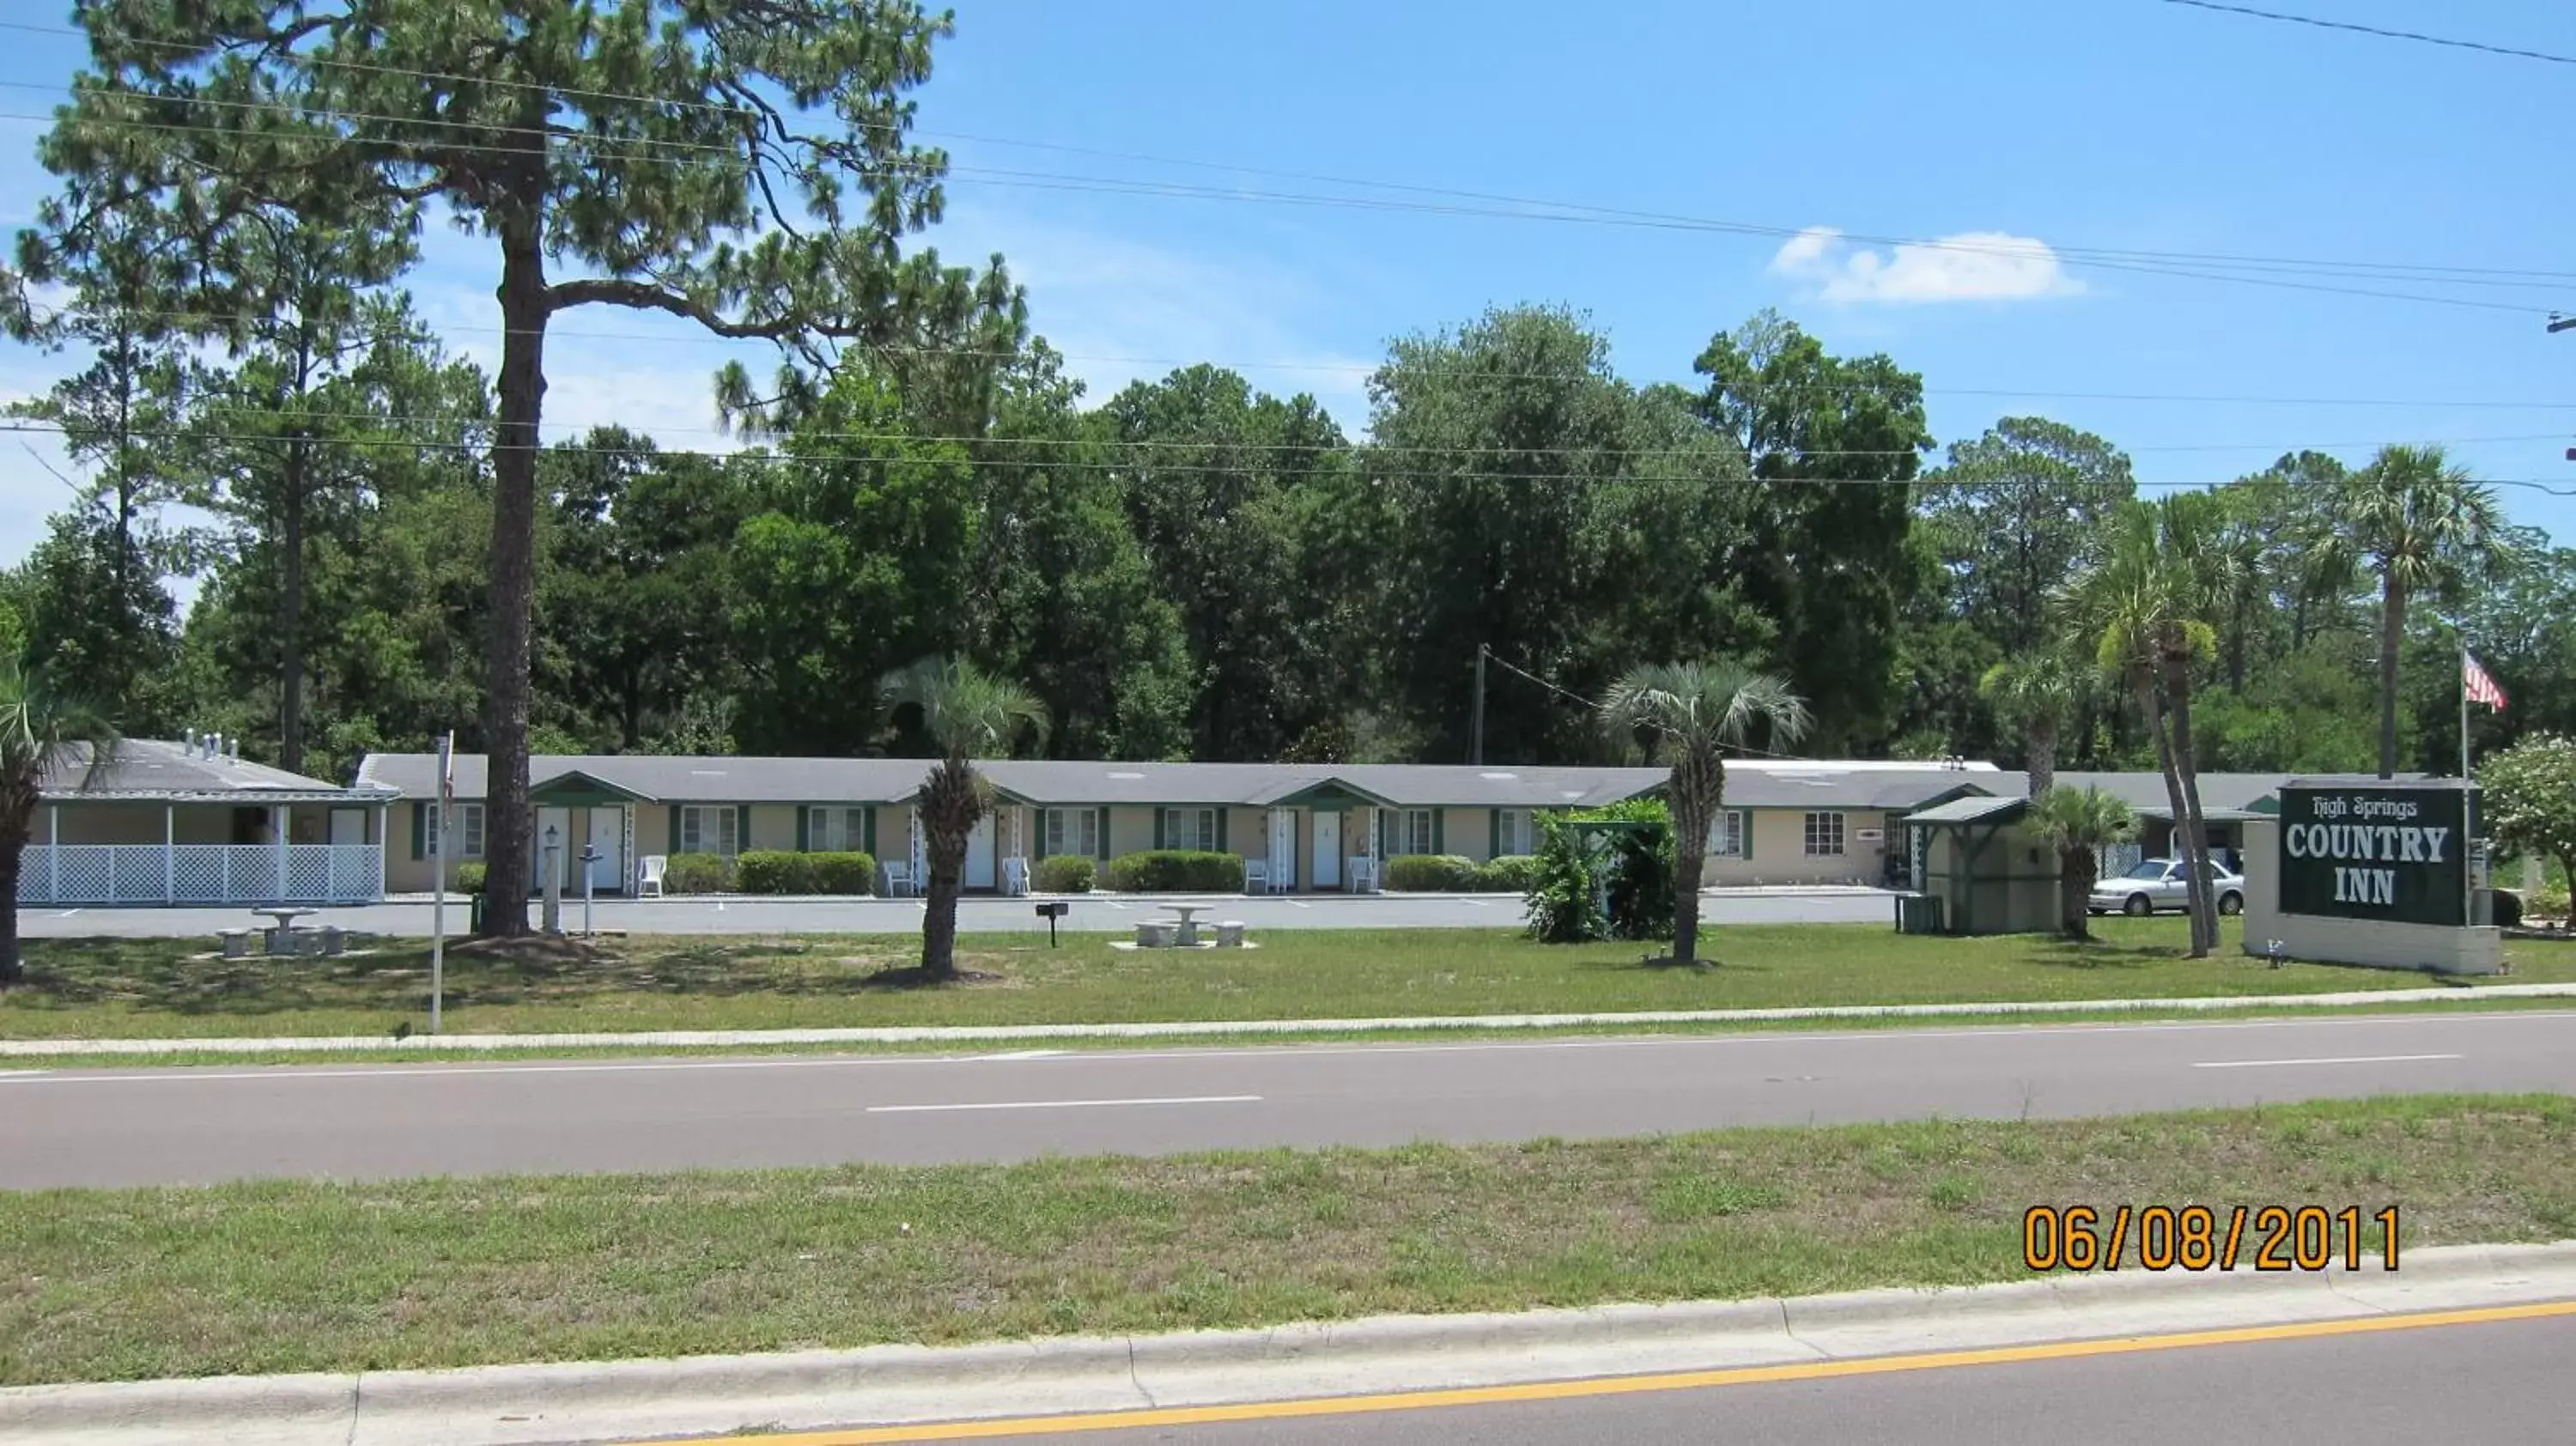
column 474, row 914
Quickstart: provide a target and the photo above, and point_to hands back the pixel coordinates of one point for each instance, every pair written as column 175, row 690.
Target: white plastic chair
column 1256, row 876
column 1364, row 876
column 898, row 881
column 648, row 883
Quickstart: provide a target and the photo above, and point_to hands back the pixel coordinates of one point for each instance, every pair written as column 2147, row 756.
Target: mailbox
column 1051, row 911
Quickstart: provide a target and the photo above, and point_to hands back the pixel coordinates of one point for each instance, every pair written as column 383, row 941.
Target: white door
column 979, row 855
column 348, row 825
column 560, row 820
column 608, row 839
column 1328, row 850
column 1283, row 849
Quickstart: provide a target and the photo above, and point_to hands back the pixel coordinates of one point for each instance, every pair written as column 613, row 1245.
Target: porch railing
column 201, row 874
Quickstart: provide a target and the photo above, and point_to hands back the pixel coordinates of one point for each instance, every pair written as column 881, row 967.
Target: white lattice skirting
column 202, row 874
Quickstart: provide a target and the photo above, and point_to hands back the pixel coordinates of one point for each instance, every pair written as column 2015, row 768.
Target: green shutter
column 804, row 828
column 1220, row 829
column 1744, row 817
column 742, row 828
column 871, row 827
column 674, row 844
column 1101, row 844
column 419, row 831
column 1158, row 828
column 1440, row 830
column 1493, row 833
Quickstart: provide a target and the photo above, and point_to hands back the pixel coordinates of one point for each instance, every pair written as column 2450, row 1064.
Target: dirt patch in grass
column 311, row 1276
column 915, row 977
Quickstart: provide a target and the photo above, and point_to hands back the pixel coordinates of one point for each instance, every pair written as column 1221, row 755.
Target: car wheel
column 2137, row 907
column 2231, row 903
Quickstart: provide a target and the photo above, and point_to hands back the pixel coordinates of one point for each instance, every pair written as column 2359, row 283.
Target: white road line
column 1068, row 1104
column 1024, row 1054
column 2339, row 1059
column 1298, row 903
column 67, row 913
column 1471, row 903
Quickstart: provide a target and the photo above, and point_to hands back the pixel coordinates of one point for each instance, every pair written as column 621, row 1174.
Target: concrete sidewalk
column 1186, row 1029
column 892, row 1385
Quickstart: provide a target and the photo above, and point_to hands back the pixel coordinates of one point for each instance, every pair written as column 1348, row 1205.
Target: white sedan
column 2155, row 884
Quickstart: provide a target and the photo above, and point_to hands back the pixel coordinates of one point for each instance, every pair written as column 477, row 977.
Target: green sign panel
column 2361, row 851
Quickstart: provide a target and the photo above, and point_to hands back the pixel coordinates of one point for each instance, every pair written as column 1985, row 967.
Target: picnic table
column 1189, row 930
column 281, row 938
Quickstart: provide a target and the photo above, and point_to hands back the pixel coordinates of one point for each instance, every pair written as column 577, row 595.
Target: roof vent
column 1499, row 777
column 1126, row 775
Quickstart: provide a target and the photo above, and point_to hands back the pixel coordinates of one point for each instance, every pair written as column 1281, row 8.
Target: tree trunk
column 2392, row 631
column 1698, row 784
column 290, row 623
column 506, row 820
column 2043, row 755
column 2142, row 683
column 948, row 808
column 2074, row 890
column 12, row 858
column 2195, row 851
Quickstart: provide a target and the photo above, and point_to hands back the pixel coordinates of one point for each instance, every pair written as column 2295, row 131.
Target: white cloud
column 1969, row 266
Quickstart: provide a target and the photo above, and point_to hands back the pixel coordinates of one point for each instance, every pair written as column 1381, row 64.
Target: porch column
column 169, row 853
column 277, row 828
column 53, row 854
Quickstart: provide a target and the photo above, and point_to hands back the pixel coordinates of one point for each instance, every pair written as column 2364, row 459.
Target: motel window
column 1411, row 833
column 1726, row 834
column 1189, row 829
column 709, row 830
column 837, row 830
column 1073, row 831
column 1824, row 835
column 469, row 831
column 1513, row 833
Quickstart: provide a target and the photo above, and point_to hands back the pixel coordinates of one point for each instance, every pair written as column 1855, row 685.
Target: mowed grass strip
column 108, row 989
column 103, row 1285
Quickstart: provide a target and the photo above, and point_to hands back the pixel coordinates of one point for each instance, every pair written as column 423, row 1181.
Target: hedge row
column 779, row 872
column 1453, row 874
column 1176, row 871
column 1066, row 874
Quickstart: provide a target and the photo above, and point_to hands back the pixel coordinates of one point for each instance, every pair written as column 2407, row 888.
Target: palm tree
column 965, row 712
column 1696, row 712
column 2134, row 601
column 2188, row 529
column 41, row 728
column 2035, row 695
column 2424, row 527
column 2077, row 822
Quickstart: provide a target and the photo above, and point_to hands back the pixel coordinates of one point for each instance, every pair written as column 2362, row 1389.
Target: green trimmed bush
column 2549, row 902
column 773, row 871
column 852, row 873
column 469, row 877
column 1176, row 871
column 698, row 874
column 1510, row 874
column 1430, row 874
column 1067, row 874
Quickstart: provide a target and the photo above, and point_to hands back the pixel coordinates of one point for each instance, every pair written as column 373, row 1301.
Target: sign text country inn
column 2375, row 853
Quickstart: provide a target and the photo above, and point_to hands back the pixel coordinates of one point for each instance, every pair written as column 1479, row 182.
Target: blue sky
column 2122, row 125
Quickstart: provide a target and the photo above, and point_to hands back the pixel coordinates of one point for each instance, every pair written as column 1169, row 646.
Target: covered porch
column 1324, row 838
column 204, row 853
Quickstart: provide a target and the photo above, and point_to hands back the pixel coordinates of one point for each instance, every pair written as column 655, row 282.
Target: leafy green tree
column 963, row 712
column 2078, row 823
column 42, row 727
column 1838, row 441
column 96, row 610
column 2529, row 797
column 655, row 144
column 2015, row 512
column 2522, row 626
column 2424, row 528
column 1694, row 712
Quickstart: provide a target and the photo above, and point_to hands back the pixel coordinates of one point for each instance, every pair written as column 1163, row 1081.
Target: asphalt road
column 133, row 1127
column 2497, row 1382
column 980, row 915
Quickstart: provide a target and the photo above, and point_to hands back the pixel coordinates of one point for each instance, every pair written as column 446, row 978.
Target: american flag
column 2480, row 687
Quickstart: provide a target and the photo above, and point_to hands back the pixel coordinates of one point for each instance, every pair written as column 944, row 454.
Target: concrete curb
column 580, row 1402
column 1185, row 1029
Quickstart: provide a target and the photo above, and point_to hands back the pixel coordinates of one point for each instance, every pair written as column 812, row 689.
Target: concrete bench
column 236, row 942
column 333, row 941
column 1155, row 936
column 1229, row 934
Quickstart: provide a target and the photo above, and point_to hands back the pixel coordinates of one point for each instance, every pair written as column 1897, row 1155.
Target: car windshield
column 2151, row 869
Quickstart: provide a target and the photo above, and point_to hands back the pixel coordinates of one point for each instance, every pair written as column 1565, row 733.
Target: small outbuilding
column 1983, row 870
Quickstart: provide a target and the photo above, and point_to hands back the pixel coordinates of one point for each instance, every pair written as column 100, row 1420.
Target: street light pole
column 1476, row 725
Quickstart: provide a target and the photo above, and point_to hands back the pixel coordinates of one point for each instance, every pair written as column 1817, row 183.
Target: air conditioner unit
column 1867, row 835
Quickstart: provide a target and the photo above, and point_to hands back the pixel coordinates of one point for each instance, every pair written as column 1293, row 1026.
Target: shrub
column 1510, row 874
column 469, row 877
column 698, row 874
column 773, row 871
column 1430, row 874
column 1568, row 882
column 2549, row 902
column 2508, row 909
column 1176, row 871
column 1066, row 874
column 852, row 873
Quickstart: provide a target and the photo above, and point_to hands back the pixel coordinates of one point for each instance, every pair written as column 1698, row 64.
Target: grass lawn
column 125, row 988
column 300, row 1276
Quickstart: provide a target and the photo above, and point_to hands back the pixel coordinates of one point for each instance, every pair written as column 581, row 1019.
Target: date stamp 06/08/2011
column 2200, row 1237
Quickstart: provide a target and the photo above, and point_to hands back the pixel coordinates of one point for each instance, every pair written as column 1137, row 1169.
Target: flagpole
column 2468, row 824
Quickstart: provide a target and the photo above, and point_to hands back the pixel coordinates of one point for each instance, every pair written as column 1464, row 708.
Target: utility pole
column 2558, row 324
column 1476, row 726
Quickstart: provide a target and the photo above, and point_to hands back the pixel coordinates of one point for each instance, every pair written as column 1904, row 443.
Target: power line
column 2385, row 34
column 1590, row 706
column 771, row 458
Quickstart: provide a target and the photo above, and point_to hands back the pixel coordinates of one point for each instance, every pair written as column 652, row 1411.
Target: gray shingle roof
column 156, row 768
column 1975, row 808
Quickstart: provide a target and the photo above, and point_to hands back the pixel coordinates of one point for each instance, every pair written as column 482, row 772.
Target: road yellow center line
column 1635, row 1385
